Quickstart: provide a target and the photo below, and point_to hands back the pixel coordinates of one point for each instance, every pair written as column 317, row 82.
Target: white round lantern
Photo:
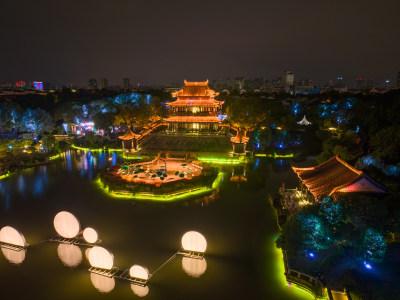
column 140, row 291
column 194, row 241
column 101, row 258
column 10, row 235
column 194, row 267
column 66, row 225
column 102, row 283
column 14, row 256
column 70, row 255
column 90, row 235
column 139, row 272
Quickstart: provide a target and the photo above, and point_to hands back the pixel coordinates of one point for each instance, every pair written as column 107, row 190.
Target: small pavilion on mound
column 335, row 176
column 239, row 141
column 129, row 140
column 195, row 108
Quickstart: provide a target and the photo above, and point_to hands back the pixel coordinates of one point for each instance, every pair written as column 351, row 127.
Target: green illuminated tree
column 373, row 246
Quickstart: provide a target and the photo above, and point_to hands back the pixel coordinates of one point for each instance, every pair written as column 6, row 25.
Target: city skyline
column 163, row 43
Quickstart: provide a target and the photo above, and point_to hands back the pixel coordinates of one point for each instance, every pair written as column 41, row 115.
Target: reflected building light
column 14, row 256
column 194, row 267
column 101, row 258
column 90, row 235
column 66, row 225
column 70, row 255
column 139, row 272
column 12, row 236
column 68, row 159
column 21, row 185
column 140, row 291
column 102, row 283
column 194, row 241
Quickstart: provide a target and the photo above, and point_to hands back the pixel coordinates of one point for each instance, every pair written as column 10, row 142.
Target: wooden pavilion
column 335, row 176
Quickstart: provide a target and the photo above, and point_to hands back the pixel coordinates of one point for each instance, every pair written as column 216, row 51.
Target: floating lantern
column 90, row 235
column 70, row 255
column 15, row 257
column 194, row 241
column 101, row 258
column 139, row 272
column 102, row 283
column 194, row 267
column 66, row 225
column 10, row 235
column 140, row 291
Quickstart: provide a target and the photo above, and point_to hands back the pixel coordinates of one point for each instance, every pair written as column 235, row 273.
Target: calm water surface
column 241, row 260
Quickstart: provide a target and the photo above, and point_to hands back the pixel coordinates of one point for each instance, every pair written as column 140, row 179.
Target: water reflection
column 194, row 267
column 140, row 291
column 14, row 256
column 280, row 166
column 101, row 283
column 70, row 255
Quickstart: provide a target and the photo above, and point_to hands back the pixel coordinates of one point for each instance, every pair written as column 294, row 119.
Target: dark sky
column 166, row 41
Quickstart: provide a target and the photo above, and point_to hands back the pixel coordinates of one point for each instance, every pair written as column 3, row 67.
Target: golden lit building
column 195, row 108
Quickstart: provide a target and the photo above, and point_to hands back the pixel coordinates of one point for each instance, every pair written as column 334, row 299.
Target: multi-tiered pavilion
column 195, row 108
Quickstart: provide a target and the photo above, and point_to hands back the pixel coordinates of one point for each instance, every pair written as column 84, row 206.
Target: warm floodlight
column 194, row 241
column 102, row 283
column 12, row 236
column 66, row 225
column 90, row 235
column 194, row 267
column 139, row 272
column 101, row 258
column 70, row 255
column 139, row 290
column 14, row 256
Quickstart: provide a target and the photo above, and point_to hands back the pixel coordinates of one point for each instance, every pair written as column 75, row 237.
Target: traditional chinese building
column 195, row 108
column 334, row 177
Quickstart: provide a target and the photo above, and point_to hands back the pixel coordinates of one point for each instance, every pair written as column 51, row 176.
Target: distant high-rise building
column 103, row 83
column 92, row 84
column 239, row 83
column 125, row 84
column 363, row 83
column 340, row 81
column 398, row 79
column 287, row 80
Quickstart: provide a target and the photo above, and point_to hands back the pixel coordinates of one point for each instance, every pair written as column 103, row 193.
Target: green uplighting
column 221, row 160
column 95, row 150
column 8, row 174
column 55, row 157
column 275, row 155
column 165, row 197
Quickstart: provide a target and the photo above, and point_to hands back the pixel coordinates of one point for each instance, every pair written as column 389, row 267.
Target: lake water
column 241, row 261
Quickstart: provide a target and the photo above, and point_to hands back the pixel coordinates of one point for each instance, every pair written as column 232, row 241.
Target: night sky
column 166, row 41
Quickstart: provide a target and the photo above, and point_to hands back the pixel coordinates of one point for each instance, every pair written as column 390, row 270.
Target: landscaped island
column 162, row 178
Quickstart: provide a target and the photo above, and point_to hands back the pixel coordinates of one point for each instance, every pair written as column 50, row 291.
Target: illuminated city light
column 139, row 272
column 12, row 236
column 101, row 258
column 90, row 235
column 194, row 241
column 66, row 225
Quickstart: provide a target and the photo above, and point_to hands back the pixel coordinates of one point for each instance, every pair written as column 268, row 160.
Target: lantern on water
column 14, row 256
column 90, row 235
column 139, row 272
column 194, row 241
column 140, row 291
column 194, row 267
column 10, row 235
column 70, row 255
column 66, row 225
column 102, row 283
column 100, row 257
